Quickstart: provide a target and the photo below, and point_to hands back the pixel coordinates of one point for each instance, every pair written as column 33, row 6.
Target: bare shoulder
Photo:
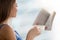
column 6, row 27
column 8, row 32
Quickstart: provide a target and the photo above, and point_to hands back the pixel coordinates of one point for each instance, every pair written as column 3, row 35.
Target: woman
column 7, row 11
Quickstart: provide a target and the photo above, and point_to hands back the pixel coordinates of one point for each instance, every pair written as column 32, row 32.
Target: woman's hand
column 35, row 31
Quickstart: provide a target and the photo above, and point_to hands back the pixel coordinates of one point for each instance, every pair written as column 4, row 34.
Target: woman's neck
column 6, row 21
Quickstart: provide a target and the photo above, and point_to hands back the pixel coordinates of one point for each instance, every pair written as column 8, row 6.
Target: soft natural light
column 27, row 12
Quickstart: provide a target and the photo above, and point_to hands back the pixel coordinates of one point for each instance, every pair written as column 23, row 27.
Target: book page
column 41, row 18
column 45, row 18
column 50, row 21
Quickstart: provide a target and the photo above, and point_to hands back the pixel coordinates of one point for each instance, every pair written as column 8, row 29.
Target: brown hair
column 5, row 9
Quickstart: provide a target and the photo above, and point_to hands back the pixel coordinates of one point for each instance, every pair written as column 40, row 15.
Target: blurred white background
column 27, row 12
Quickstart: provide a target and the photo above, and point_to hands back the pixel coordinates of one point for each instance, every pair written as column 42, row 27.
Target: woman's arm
column 8, row 33
column 33, row 33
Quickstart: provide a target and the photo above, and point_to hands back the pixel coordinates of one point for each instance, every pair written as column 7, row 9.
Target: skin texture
column 35, row 31
column 7, row 33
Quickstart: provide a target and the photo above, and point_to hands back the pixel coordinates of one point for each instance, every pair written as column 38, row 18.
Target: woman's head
column 7, row 9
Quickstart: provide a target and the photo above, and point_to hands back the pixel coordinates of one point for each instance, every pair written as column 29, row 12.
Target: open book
column 45, row 18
